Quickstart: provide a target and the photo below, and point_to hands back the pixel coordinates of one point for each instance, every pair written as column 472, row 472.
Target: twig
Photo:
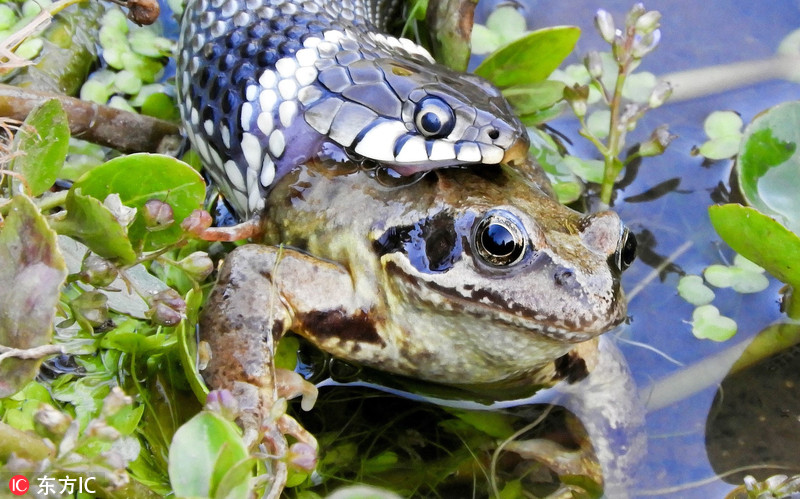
column 696, row 83
column 122, row 130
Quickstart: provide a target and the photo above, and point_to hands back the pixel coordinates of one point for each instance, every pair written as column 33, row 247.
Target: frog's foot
column 277, row 425
column 198, row 224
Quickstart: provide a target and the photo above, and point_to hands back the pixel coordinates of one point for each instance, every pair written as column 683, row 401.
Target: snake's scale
column 266, row 84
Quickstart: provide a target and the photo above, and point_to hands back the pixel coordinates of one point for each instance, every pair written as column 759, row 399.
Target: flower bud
column 660, row 94
column 302, row 456
column 223, row 403
column 198, row 265
column 604, row 23
column 648, row 22
column 594, row 64
column 166, row 308
column 197, row 222
column 634, row 14
column 577, row 97
column 97, row 271
column 658, row 142
column 157, row 215
column 643, row 45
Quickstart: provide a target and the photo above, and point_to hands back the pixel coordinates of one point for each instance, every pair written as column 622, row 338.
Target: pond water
column 756, row 419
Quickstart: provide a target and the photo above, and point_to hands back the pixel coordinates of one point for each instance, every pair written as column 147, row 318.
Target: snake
column 264, row 85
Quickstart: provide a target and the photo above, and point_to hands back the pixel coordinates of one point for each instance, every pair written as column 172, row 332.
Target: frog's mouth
column 491, row 307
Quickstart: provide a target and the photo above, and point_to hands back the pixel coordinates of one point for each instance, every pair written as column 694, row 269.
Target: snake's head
column 420, row 116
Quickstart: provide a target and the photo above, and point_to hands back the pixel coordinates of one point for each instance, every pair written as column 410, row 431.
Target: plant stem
column 616, row 135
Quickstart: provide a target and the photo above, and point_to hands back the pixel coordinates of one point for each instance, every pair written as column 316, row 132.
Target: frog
column 471, row 278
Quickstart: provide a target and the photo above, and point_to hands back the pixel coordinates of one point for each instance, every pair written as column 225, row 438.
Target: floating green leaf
column 32, row 271
column 139, row 178
column 707, row 323
column 692, row 289
column 769, row 164
column 760, row 239
column 531, row 58
column 724, row 130
column 160, row 105
column 202, row 452
column 42, row 142
column 743, row 276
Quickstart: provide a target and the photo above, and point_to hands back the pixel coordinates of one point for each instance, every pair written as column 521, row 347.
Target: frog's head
column 505, row 253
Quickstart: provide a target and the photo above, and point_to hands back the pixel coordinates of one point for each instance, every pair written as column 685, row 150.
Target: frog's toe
column 290, row 385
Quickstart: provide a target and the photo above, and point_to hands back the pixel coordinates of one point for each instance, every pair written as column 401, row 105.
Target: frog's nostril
column 563, row 277
column 494, row 134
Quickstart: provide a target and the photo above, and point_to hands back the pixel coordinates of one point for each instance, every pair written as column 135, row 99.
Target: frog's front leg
column 259, row 292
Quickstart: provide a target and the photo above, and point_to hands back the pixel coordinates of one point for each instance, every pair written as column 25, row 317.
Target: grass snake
column 264, row 85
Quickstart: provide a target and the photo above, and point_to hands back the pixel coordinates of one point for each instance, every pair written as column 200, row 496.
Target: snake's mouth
column 518, row 152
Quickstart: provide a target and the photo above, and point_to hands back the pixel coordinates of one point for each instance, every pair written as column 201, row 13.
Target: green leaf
column 505, row 24
column 769, row 164
column 760, row 239
column 494, row 424
column 707, row 323
column 531, row 58
column 92, row 223
column 512, row 489
column 236, row 480
column 31, row 272
column 692, row 289
column 43, row 141
column 286, row 353
column 386, row 460
column 139, row 178
column 160, row 105
column 534, row 97
column 724, row 132
column 202, row 452
column 590, row 170
column 598, row 122
column 639, row 86
column 126, row 419
column 187, row 345
column 742, row 280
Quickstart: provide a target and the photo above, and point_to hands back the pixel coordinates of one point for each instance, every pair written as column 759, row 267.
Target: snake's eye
column 500, row 239
column 433, row 117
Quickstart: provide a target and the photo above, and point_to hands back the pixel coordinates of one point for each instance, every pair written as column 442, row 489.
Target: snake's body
column 267, row 84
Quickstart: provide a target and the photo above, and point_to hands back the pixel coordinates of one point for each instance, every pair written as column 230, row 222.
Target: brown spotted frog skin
column 461, row 277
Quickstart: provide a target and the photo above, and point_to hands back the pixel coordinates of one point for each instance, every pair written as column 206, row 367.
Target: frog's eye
column 500, row 239
column 433, row 117
column 626, row 250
